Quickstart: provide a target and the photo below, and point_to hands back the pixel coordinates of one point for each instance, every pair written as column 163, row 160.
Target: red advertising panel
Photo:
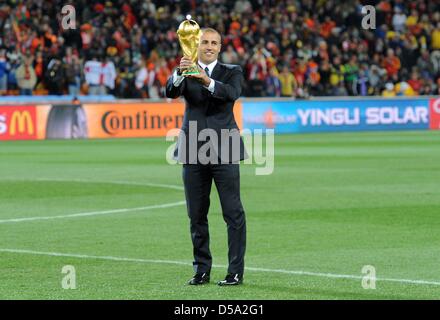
column 434, row 114
column 18, row 123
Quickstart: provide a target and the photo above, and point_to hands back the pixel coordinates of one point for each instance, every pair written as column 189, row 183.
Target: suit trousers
column 197, row 179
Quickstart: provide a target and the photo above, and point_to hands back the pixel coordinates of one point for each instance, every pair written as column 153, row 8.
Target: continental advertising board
column 97, row 121
column 100, row 121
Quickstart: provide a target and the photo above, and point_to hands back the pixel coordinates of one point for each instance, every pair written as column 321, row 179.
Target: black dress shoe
column 232, row 279
column 199, row 278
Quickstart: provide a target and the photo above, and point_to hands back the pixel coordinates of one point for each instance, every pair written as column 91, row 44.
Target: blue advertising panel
column 336, row 115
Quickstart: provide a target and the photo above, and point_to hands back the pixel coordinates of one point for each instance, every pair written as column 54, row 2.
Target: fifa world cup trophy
column 189, row 37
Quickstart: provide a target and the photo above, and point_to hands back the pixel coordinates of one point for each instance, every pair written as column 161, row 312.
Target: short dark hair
column 212, row 30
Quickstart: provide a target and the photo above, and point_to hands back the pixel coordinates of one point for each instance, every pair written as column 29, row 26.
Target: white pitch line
column 84, row 256
column 292, row 272
column 131, row 183
column 95, row 213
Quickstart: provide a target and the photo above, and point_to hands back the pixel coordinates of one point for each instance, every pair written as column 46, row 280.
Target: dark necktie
column 207, row 71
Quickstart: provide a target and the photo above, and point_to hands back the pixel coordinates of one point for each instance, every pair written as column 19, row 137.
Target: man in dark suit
column 209, row 98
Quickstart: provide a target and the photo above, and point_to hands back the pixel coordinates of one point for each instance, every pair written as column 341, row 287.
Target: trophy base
column 191, row 71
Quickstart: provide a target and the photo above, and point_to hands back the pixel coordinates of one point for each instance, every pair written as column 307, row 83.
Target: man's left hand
column 202, row 77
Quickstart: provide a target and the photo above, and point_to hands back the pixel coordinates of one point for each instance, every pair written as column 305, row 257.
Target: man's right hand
column 185, row 63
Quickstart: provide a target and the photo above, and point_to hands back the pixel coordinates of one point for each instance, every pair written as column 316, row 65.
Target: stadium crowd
column 287, row 48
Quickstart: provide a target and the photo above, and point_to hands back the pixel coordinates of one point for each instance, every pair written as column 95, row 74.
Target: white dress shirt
column 177, row 80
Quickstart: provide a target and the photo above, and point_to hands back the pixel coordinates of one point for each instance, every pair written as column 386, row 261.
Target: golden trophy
column 189, row 37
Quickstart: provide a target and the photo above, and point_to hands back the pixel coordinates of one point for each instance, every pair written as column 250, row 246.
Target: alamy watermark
column 369, row 278
column 69, row 280
column 68, row 21
column 369, row 19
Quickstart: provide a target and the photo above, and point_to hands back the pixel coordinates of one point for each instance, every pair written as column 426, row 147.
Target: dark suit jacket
column 210, row 111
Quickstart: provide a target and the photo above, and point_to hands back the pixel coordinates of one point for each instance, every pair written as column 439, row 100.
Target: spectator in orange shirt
column 163, row 73
column 326, row 27
column 300, row 72
column 391, row 63
column 39, row 65
column 415, row 82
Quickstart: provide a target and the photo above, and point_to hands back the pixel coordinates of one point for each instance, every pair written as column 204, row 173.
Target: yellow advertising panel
column 132, row 120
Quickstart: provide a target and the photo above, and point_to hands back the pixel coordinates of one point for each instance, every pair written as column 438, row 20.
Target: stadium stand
column 287, row 48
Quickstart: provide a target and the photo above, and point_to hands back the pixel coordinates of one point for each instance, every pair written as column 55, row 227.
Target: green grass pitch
column 335, row 203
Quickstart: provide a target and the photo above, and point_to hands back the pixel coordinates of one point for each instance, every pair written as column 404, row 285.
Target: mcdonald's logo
column 18, row 123
column 22, row 123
